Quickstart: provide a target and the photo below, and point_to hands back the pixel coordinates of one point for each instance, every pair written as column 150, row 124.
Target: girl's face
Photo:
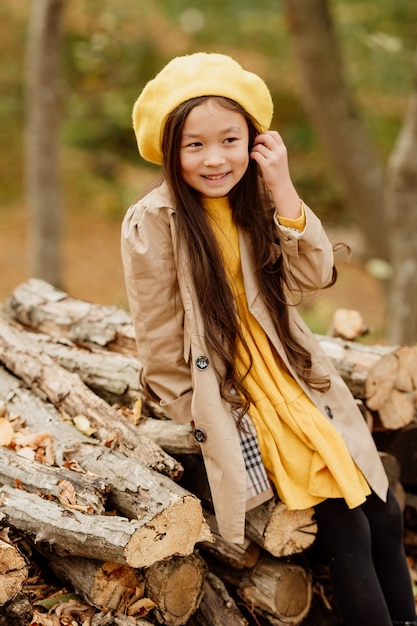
column 214, row 152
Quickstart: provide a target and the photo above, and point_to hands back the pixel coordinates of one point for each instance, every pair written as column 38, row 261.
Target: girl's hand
column 270, row 152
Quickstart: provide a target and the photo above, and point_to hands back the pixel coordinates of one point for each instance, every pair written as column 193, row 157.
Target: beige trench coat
column 170, row 340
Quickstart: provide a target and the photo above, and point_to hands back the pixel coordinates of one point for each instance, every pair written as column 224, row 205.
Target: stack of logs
column 112, row 493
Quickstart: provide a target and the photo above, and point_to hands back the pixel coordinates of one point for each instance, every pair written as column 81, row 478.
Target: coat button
column 329, row 411
column 202, row 362
column 199, row 435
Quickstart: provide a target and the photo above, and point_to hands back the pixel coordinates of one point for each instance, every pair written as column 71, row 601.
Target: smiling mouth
column 215, row 176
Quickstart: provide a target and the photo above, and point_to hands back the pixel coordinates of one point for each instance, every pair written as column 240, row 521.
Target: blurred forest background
column 110, row 48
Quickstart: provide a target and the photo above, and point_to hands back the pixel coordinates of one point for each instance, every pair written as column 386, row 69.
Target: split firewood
column 173, row 514
column 111, row 375
column 138, row 543
column 13, row 571
column 38, row 305
column 271, row 525
column 74, row 489
column 238, row 556
column 217, row 606
column 279, row 531
column 75, row 400
column 43, row 308
column 390, row 386
column 175, row 585
column 353, row 360
column 107, row 586
column 384, row 377
column 278, row 590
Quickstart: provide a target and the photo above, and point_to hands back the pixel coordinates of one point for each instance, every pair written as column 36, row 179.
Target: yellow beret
column 191, row 76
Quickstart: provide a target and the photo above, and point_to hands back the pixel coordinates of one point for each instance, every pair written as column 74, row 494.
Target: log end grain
column 175, row 530
column 13, row 572
column 279, row 590
column 289, row 532
column 175, row 585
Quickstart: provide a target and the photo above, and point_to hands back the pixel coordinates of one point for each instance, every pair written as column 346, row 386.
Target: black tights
column 365, row 550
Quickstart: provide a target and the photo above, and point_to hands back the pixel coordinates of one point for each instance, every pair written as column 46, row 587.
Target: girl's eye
column 230, row 139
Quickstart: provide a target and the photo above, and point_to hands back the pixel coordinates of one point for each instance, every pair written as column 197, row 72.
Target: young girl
column 216, row 257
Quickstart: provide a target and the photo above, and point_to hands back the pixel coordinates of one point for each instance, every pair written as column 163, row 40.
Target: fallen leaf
column 49, row 603
column 82, row 423
column 67, row 492
column 26, row 453
column 6, row 432
column 141, row 607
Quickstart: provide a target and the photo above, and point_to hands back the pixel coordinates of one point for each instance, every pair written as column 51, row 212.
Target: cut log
column 353, row 360
column 135, row 490
column 390, row 385
column 279, row 590
column 43, row 308
column 111, row 375
column 279, row 531
column 137, row 543
column 66, row 391
column 217, row 606
column 13, row 571
column 383, row 377
column 73, row 489
column 175, row 586
column 175, row 583
column 107, row 586
column 38, row 305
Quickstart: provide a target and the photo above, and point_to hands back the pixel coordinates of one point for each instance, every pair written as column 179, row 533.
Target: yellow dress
column 305, row 457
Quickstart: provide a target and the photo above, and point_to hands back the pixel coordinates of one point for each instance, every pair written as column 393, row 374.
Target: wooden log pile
column 112, row 494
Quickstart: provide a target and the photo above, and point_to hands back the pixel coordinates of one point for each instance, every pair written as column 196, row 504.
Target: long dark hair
column 252, row 211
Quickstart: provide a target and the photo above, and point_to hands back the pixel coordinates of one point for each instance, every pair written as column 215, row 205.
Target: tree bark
column 42, row 141
column 38, row 305
column 401, row 202
column 137, row 543
column 217, row 607
column 73, row 399
column 78, row 490
column 384, row 377
column 98, row 326
column 330, row 105
column 166, row 511
column 107, row 586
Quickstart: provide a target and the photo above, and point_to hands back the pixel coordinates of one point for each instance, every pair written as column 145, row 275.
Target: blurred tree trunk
column 401, row 203
column 385, row 204
column 329, row 104
column 42, row 141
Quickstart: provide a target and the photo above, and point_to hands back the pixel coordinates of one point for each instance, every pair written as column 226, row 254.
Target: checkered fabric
column 256, row 478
